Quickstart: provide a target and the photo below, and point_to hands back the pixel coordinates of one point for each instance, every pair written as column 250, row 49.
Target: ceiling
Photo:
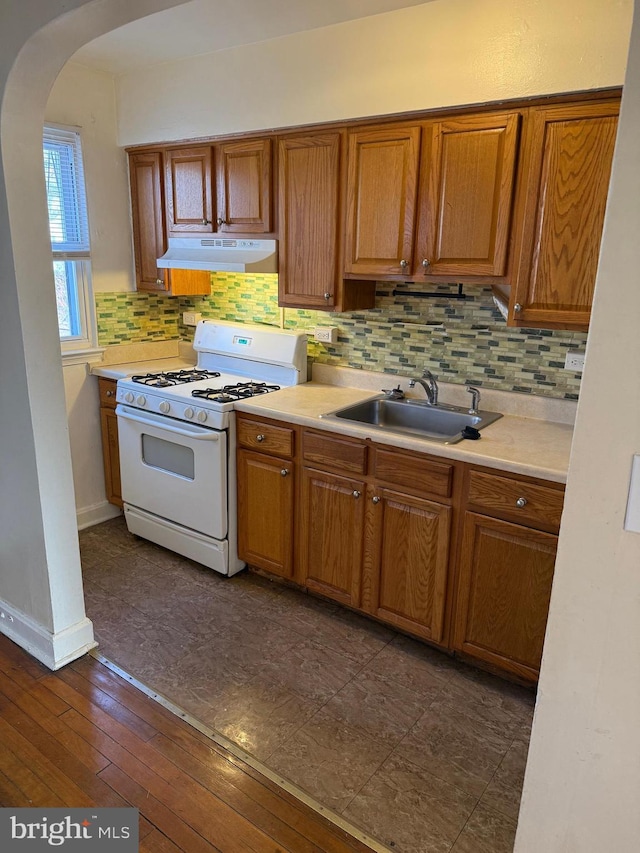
column 204, row 26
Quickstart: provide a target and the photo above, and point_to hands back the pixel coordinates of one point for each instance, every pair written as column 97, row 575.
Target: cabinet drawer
column 516, row 500
column 414, row 471
column 333, row 452
column 107, row 391
column 268, row 438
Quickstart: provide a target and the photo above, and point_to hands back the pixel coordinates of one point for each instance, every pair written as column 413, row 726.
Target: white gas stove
column 177, row 437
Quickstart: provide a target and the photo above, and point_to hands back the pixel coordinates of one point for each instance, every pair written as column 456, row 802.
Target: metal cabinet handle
column 375, row 499
column 426, row 263
column 221, row 221
column 327, row 296
column 260, row 437
column 160, row 282
column 109, row 393
column 284, row 472
column 206, row 222
column 517, row 307
column 356, row 493
column 521, row 502
column 404, row 264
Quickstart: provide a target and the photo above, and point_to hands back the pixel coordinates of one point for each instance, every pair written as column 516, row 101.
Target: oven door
column 175, row 470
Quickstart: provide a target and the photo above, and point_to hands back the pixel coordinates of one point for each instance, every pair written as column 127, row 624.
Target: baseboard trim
column 90, row 515
column 54, row 650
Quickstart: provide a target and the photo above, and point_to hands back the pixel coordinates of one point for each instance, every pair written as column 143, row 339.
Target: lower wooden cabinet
column 406, row 565
column 331, row 532
column 110, row 450
column 266, row 506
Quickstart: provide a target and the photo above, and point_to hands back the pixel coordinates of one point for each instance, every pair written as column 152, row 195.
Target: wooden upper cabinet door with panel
column 244, row 178
column 189, row 191
column 566, row 171
column 382, row 185
column 466, row 194
column 147, row 211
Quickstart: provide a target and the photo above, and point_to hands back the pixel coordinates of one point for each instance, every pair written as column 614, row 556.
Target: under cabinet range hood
column 220, row 254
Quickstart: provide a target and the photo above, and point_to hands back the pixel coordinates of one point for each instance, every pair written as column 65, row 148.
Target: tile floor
column 424, row 753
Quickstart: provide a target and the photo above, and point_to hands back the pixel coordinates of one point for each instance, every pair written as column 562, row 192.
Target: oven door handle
column 202, row 434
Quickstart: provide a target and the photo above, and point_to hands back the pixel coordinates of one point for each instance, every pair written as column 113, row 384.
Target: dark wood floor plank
column 25, row 700
column 156, row 842
column 212, row 818
column 11, row 795
column 27, row 779
column 156, row 812
column 215, row 782
column 107, row 703
column 10, row 651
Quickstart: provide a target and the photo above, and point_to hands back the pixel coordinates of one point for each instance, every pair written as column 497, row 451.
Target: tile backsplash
column 465, row 341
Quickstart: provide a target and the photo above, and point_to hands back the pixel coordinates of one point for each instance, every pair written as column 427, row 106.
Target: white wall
column 583, row 779
column 437, row 54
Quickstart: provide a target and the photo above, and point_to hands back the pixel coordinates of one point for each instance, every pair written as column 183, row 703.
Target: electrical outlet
column 574, row 361
column 191, row 318
column 325, row 334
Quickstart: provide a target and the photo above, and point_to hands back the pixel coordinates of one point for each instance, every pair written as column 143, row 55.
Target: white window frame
column 81, row 346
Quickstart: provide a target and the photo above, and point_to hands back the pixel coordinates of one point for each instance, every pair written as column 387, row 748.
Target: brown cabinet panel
column 413, row 471
column 505, row 578
column 468, row 177
column 244, row 186
column 111, row 455
column 265, row 437
column 566, row 171
column 265, row 512
column 332, row 535
column 189, row 190
column 147, row 212
column 107, row 392
column 382, row 185
column 330, row 451
column 520, row 501
column 406, row 563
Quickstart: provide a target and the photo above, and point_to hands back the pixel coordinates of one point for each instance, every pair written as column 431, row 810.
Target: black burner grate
column 173, row 377
column 231, row 393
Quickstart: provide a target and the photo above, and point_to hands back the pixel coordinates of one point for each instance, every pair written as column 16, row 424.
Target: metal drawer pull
column 284, row 472
column 375, row 499
column 404, row 264
column 109, row 393
column 260, row 437
column 356, row 493
column 521, row 502
column 206, row 222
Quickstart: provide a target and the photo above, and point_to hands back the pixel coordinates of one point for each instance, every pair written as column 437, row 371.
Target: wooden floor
column 85, row 737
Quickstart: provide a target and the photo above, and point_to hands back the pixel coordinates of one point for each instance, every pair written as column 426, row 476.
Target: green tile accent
column 463, row 341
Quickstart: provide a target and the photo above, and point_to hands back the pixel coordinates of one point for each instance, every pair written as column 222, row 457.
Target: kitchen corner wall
column 461, row 341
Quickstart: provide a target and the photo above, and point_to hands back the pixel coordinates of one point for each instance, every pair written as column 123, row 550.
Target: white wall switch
column 574, row 361
column 325, row 334
column 632, row 518
column 191, row 318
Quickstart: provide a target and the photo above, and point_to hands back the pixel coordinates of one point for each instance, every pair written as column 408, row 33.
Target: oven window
column 168, row 456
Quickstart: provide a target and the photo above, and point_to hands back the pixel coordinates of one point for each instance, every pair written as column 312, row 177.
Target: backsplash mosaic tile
column 135, row 318
column 465, row 341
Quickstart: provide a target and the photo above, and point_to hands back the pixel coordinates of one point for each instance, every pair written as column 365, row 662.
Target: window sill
column 82, row 356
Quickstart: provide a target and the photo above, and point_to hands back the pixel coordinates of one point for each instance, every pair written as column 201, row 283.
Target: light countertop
column 128, row 368
column 536, row 448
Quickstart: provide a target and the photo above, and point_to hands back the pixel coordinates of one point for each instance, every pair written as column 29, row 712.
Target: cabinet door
column 147, row 212
column 189, row 190
column 406, row 562
column 504, row 587
column 566, row 170
column 111, row 455
column 468, row 176
column 244, row 186
column 309, row 219
column 265, row 512
column 332, row 532
column 382, row 184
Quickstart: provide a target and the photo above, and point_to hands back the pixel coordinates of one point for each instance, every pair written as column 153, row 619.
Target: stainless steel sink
column 439, row 423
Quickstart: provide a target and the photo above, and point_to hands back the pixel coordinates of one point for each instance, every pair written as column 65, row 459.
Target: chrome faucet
column 430, row 386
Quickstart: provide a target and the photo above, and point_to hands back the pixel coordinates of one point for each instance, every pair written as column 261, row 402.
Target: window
column 69, row 229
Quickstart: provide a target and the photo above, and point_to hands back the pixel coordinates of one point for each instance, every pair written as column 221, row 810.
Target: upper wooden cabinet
column 189, row 190
column 442, row 209
column 382, row 187
column 466, row 194
column 310, row 215
column 566, row 167
column 244, row 186
column 147, row 211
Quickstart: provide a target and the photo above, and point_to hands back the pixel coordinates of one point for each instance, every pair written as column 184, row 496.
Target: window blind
column 64, row 176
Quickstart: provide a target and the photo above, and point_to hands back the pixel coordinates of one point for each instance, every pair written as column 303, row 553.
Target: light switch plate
column 191, row 318
column 574, row 361
column 632, row 518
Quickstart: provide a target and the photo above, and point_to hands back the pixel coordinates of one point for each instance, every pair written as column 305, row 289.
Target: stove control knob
column 129, row 398
column 189, row 413
column 164, row 407
column 141, row 400
column 202, row 416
